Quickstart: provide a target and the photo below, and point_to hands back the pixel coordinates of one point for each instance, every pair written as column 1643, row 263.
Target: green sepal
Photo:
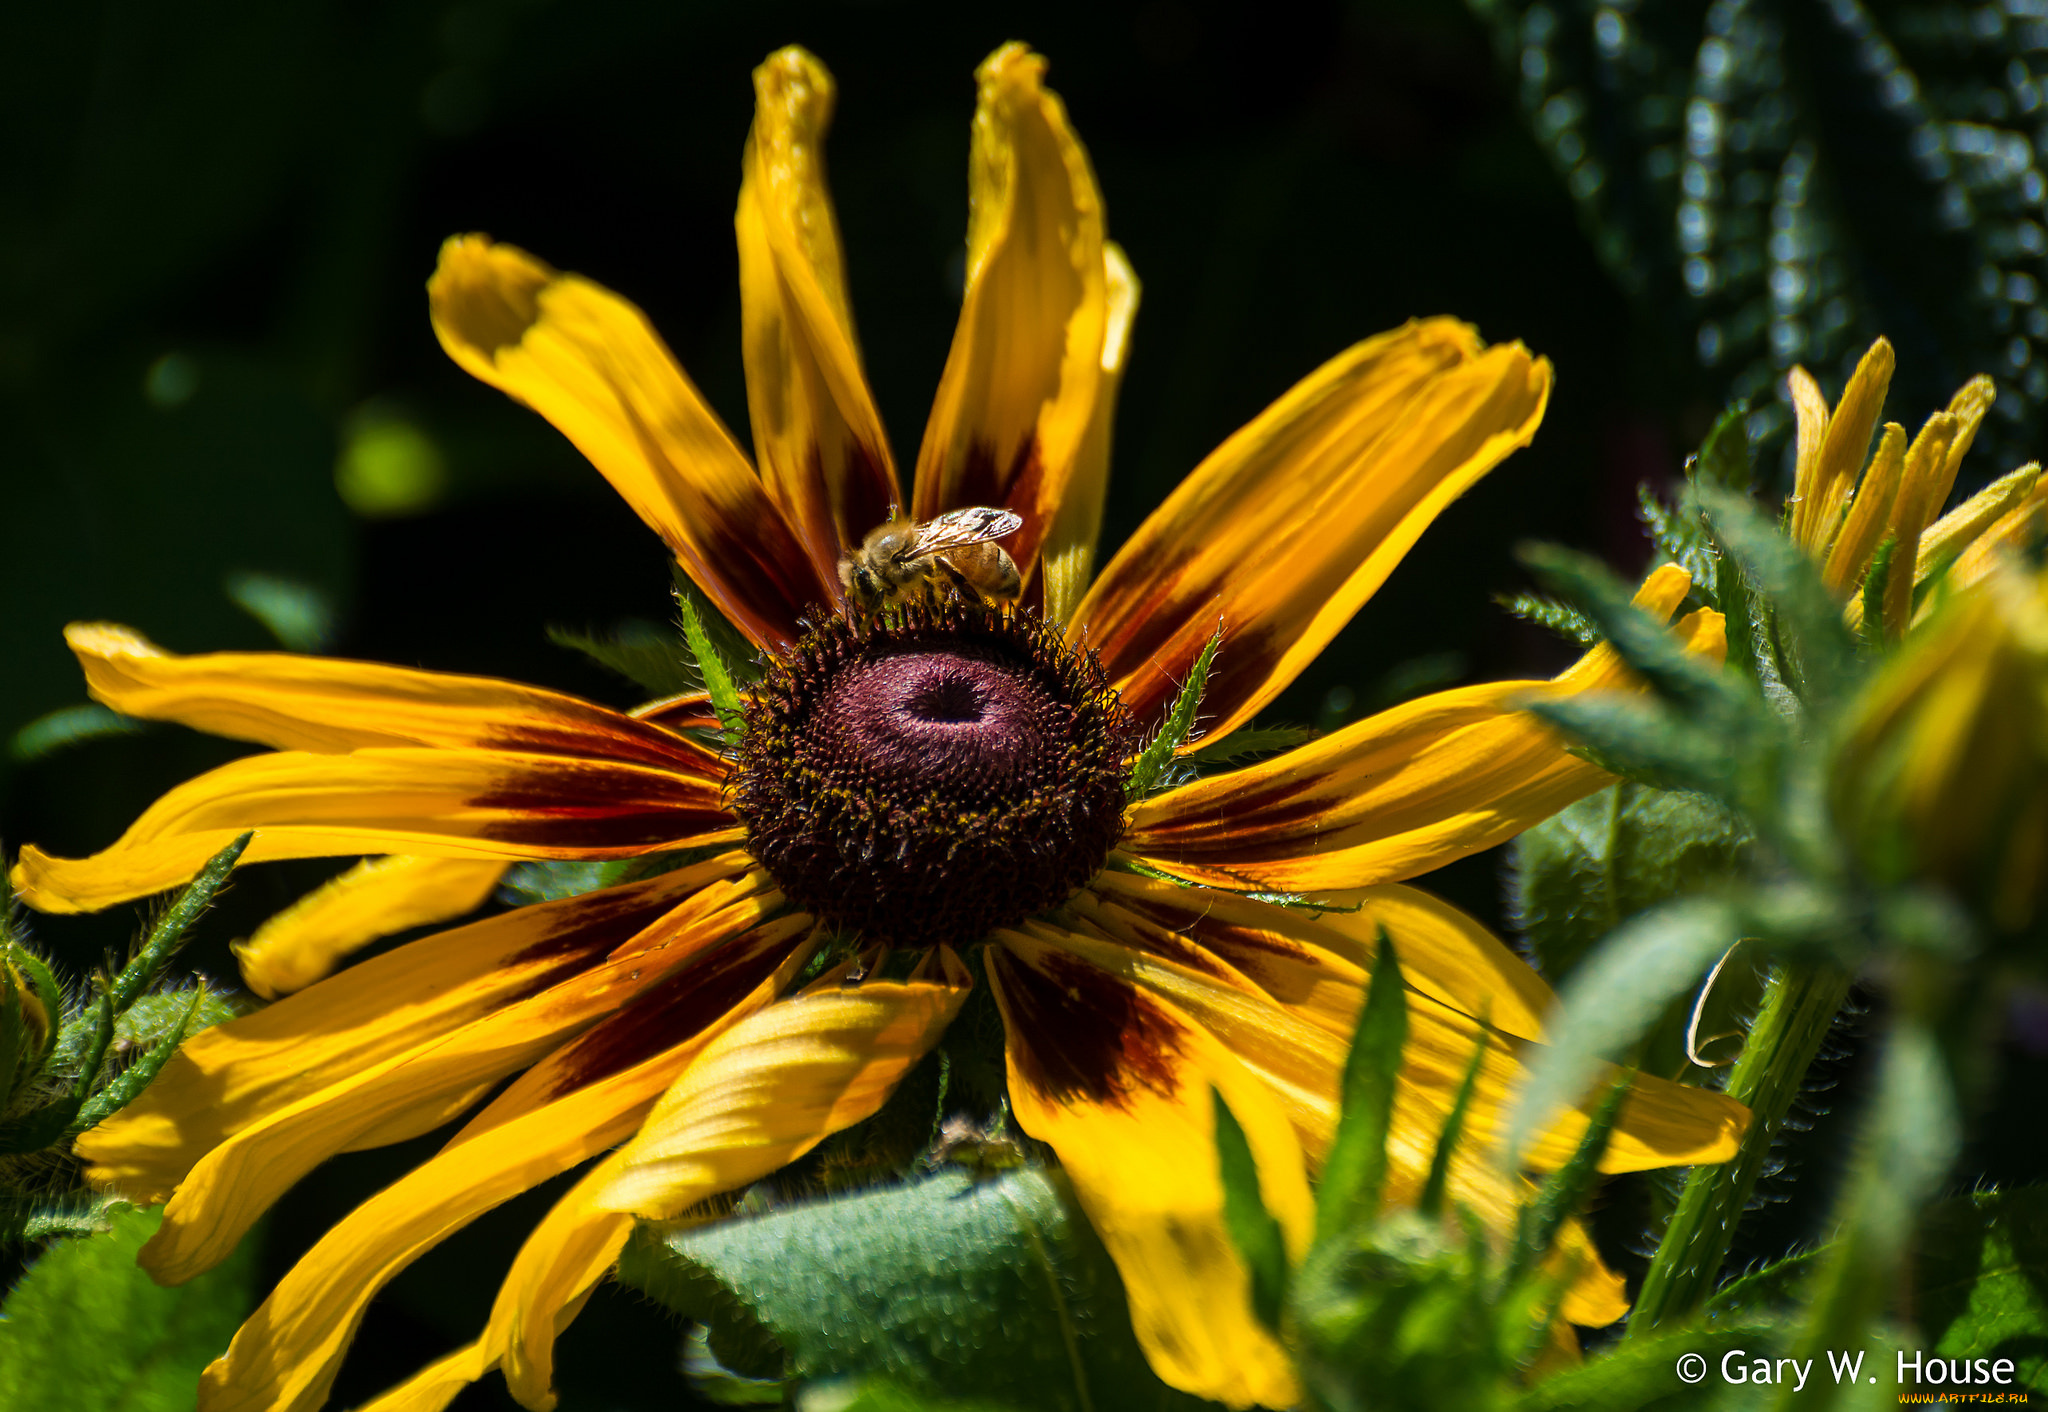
column 169, row 932
column 301, row 617
column 725, row 695
column 1253, row 1229
column 1247, row 742
column 1153, row 760
column 1355, row 1173
column 1725, row 460
column 1874, row 584
column 1561, row 618
column 15, row 1042
column 127, row 1086
column 1822, row 661
column 1639, row 738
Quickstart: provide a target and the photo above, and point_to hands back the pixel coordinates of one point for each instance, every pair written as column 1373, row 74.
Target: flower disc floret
column 933, row 772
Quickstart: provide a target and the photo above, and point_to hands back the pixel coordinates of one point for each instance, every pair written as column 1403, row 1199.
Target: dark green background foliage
column 216, row 220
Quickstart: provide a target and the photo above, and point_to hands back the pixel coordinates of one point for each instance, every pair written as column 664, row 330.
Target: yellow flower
column 1842, row 512
column 660, row 1021
column 1944, row 773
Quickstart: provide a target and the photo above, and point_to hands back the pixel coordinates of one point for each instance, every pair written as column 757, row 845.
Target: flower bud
column 1943, row 775
column 30, row 1008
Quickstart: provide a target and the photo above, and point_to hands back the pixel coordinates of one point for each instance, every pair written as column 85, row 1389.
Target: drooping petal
column 591, row 363
column 1316, row 962
column 439, row 803
column 326, row 705
column 585, row 1097
column 1022, row 382
column 228, row 1077
column 1117, row 1081
column 1068, row 554
column 1280, row 535
column 1405, row 791
column 817, row 434
column 378, row 897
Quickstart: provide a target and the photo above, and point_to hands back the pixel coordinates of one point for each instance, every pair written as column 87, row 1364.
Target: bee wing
column 957, row 528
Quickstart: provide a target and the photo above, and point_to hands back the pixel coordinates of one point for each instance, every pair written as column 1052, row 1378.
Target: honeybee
column 957, row 550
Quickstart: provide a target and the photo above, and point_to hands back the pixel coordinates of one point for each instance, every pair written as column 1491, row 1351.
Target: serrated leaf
column 1612, row 856
column 652, row 659
column 87, row 1328
column 1253, row 1230
column 947, row 1287
column 1615, row 997
column 1981, row 1286
column 1355, row 1172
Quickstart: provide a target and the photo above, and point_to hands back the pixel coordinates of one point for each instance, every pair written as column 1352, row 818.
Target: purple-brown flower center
column 933, row 773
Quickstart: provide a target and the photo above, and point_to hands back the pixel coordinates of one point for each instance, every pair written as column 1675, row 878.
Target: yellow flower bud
column 1943, row 776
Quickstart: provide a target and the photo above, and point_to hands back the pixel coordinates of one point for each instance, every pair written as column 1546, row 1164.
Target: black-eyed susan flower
column 950, row 779
column 1843, row 512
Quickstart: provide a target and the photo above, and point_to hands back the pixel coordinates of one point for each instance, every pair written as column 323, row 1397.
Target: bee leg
column 954, row 580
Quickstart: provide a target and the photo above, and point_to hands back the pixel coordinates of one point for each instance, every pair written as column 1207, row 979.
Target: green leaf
column 1565, row 1190
column 1431, row 1202
column 68, row 726
column 654, row 660
column 1616, row 995
column 725, row 695
column 300, row 616
column 1777, row 1286
column 1639, row 1375
column 882, row 1395
column 1355, row 1172
column 87, row 1328
column 947, row 1288
column 1252, row 1228
column 1981, row 1287
column 1875, row 580
column 1180, row 720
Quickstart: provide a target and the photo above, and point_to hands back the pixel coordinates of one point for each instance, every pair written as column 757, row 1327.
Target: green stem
column 1799, row 1005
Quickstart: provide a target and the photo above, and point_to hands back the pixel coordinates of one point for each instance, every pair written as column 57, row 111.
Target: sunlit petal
column 1291, row 524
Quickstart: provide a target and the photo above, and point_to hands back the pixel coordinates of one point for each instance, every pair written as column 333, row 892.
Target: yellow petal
column 326, row 705
column 817, row 434
column 225, row 1078
column 1284, row 530
column 1810, row 411
column 771, row 1089
column 590, row 363
column 588, row 1096
column 442, row 803
column 1922, row 488
column 1069, row 552
column 234, row 1184
column 1293, row 955
column 2019, row 529
column 1022, row 381
column 1870, row 515
column 1117, row 1081
column 1846, row 444
column 378, row 897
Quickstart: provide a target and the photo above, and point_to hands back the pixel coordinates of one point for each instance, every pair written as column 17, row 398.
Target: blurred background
column 225, row 422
